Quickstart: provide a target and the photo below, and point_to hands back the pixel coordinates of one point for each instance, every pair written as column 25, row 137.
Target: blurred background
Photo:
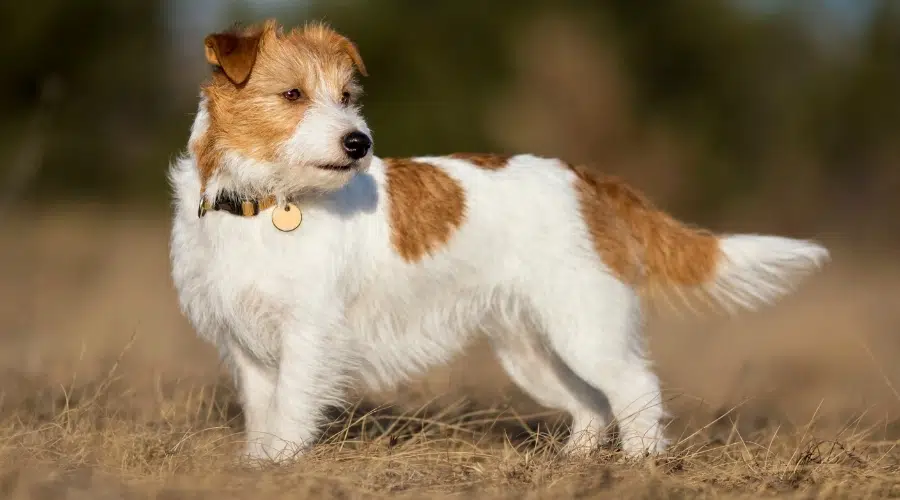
column 740, row 115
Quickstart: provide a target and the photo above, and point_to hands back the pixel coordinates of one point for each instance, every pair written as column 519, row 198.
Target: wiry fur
column 301, row 315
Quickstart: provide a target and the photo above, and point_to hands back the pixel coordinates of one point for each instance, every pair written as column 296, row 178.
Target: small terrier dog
column 313, row 264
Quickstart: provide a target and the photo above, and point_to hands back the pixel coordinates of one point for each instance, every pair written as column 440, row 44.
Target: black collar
column 231, row 202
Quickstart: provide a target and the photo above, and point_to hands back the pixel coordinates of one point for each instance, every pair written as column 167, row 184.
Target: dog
column 315, row 266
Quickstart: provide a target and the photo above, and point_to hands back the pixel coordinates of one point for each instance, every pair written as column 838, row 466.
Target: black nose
column 357, row 144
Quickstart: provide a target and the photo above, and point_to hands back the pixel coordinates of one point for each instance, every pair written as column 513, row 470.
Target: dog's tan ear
column 234, row 52
column 351, row 50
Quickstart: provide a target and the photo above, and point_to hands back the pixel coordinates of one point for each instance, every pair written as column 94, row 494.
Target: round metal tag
column 287, row 218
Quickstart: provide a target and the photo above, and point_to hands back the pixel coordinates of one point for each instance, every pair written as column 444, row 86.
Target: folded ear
column 234, row 52
column 351, row 50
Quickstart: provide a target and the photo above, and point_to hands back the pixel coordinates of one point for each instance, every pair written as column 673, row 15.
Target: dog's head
column 281, row 113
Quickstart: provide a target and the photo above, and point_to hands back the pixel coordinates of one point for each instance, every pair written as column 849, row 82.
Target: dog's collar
column 232, row 203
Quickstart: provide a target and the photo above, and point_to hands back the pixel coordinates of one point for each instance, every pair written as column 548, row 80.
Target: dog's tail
column 661, row 255
column 731, row 271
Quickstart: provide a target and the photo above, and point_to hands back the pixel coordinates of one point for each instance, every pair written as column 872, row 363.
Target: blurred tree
column 91, row 71
column 857, row 124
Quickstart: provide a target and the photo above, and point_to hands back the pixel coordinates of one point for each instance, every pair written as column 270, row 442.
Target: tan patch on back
column 641, row 244
column 426, row 207
column 487, row 161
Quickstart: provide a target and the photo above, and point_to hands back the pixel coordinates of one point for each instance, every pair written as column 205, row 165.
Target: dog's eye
column 345, row 98
column 292, row 95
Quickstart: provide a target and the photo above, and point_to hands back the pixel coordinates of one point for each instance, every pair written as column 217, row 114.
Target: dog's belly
column 401, row 336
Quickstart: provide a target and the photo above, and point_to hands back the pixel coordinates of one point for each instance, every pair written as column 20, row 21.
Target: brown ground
column 107, row 394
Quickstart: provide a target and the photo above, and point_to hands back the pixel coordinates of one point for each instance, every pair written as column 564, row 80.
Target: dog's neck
column 243, row 180
column 248, row 196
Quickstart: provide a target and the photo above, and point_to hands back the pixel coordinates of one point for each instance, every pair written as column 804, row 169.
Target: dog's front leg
column 257, row 386
column 310, row 377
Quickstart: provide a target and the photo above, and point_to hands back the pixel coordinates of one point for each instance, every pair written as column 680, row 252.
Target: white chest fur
column 243, row 282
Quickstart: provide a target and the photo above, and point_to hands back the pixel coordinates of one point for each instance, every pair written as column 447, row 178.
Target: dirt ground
column 106, row 393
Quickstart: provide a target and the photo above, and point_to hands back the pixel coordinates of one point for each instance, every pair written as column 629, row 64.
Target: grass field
column 106, row 393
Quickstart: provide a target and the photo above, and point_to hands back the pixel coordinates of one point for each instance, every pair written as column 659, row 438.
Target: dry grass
column 93, row 443
column 107, row 394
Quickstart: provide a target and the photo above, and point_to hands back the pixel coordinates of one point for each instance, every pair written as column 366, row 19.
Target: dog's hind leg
column 592, row 322
column 542, row 375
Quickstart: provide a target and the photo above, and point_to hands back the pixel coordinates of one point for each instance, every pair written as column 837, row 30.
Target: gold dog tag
column 287, row 218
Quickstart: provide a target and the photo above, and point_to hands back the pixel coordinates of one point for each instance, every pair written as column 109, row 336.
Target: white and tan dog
column 314, row 265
